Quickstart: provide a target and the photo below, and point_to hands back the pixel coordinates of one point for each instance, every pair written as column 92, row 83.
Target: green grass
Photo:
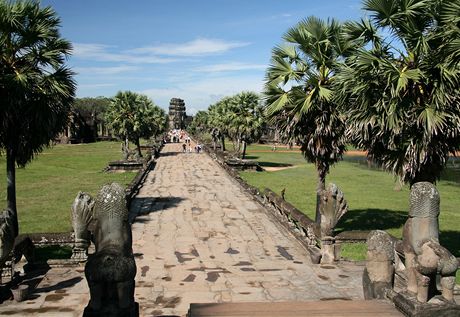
column 47, row 186
column 42, row 254
column 354, row 251
column 373, row 201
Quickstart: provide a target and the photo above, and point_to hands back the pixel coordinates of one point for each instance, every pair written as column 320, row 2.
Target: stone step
column 336, row 308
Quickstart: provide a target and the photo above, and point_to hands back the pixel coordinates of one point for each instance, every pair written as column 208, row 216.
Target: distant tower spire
column 177, row 114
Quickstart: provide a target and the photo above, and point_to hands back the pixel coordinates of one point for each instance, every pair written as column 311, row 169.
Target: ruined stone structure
column 378, row 275
column 7, row 235
column 110, row 271
column 177, row 116
column 332, row 207
column 418, row 262
column 424, row 256
column 82, row 210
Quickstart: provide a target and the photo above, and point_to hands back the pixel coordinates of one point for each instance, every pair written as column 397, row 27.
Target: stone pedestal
column 109, row 311
column 378, row 276
column 408, row 304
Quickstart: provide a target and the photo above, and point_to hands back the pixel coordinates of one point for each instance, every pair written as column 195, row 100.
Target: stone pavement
column 198, row 237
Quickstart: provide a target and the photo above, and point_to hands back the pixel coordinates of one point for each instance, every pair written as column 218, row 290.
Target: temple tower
column 177, row 114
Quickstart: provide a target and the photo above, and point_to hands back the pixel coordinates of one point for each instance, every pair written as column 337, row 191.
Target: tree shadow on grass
column 273, row 164
column 450, row 240
column 452, row 174
column 383, row 219
column 371, row 219
column 267, row 164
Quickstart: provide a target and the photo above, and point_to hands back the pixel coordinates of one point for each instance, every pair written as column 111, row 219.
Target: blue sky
column 197, row 50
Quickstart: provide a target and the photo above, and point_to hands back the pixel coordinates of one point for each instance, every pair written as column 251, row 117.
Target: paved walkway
column 199, row 238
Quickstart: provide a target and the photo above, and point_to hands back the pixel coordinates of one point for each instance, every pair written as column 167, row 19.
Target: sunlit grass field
column 375, row 198
column 47, row 186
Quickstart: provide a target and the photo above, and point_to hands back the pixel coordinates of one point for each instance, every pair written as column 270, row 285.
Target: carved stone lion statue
column 110, row 271
column 424, row 256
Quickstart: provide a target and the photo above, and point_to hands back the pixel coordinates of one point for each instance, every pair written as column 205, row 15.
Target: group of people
column 187, row 146
column 176, row 135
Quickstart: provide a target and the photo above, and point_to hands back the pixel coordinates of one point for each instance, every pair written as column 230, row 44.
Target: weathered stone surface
column 82, row 211
column 408, row 304
column 424, row 257
column 332, row 207
column 185, row 206
column 379, row 273
column 177, row 113
column 6, row 235
column 206, row 240
column 110, row 271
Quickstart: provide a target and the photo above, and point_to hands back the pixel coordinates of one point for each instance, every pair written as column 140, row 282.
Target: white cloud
column 94, row 86
column 103, row 53
column 198, row 95
column 198, row 47
column 228, row 67
column 92, row 71
column 154, row 54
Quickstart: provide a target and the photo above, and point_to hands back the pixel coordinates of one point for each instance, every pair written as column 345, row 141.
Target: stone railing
column 304, row 229
column 297, row 219
column 133, row 188
column 307, row 231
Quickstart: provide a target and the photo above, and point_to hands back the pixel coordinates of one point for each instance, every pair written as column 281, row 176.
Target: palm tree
column 150, row 121
column 401, row 93
column 299, row 90
column 199, row 122
column 247, row 118
column 158, row 122
column 219, row 120
column 132, row 116
column 36, row 89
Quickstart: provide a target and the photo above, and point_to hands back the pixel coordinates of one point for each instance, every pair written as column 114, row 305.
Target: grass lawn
column 47, row 186
column 373, row 201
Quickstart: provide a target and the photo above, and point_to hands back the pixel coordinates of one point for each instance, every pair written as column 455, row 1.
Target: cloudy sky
column 197, row 50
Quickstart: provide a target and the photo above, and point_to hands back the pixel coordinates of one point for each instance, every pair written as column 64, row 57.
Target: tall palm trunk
column 138, row 147
column 244, row 150
column 11, row 188
column 320, row 187
column 222, row 138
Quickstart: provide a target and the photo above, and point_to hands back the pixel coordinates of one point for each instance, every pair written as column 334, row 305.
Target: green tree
column 299, row 89
column 87, row 115
column 401, row 92
column 219, row 120
column 199, row 123
column 36, row 89
column 132, row 116
column 155, row 120
column 247, row 119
